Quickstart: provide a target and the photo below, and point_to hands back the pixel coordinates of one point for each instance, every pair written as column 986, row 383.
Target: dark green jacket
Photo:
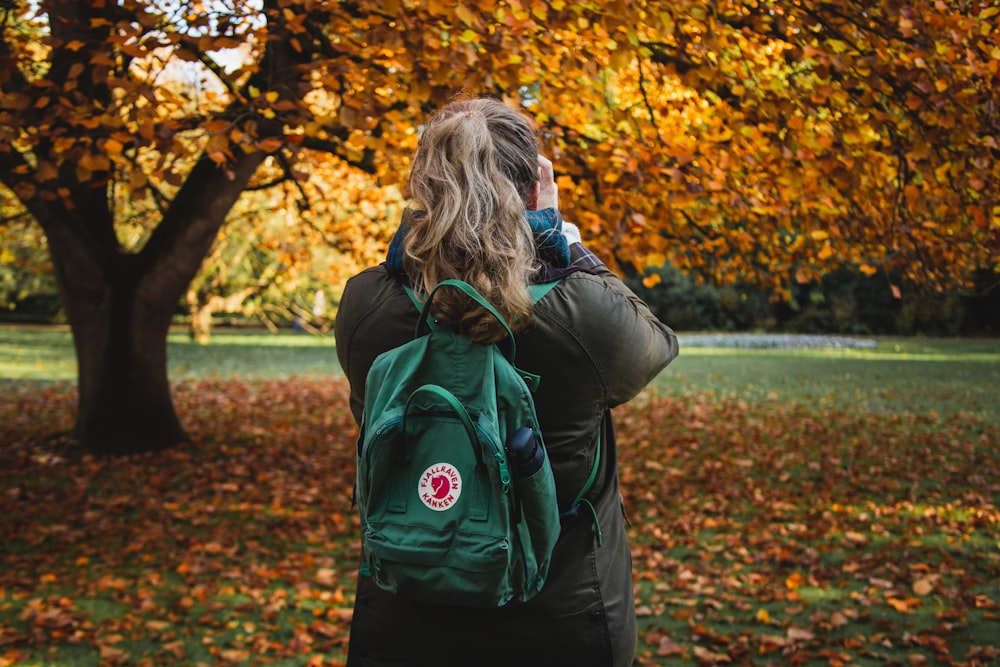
column 595, row 345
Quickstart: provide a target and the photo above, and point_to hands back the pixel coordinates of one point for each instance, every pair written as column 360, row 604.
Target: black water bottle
column 525, row 452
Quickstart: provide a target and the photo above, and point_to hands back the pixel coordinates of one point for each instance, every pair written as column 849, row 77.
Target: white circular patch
column 440, row 486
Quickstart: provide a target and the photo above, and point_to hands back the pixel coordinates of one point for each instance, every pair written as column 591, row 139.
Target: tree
column 26, row 283
column 84, row 103
column 748, row 140
column 278, row 264
column 765, row 142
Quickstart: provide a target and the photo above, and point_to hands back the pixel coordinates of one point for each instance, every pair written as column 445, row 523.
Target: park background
column 185, row 185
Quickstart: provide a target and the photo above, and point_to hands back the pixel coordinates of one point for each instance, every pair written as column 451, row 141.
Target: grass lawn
column 822, row 507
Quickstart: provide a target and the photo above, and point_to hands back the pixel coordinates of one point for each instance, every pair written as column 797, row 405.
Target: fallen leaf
column 924, row 586
column 800, row 635
column 706, row 656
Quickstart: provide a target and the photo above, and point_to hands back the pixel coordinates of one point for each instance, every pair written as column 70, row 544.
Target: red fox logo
column 440, row 486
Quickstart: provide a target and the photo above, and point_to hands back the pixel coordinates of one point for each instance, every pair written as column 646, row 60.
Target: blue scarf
column 546, row 226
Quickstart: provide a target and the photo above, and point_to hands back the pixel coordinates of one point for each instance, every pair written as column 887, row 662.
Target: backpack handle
column 473, row 294
column 455, row 405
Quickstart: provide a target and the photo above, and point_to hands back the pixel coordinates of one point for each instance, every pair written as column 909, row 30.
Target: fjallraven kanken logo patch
column 440, row 486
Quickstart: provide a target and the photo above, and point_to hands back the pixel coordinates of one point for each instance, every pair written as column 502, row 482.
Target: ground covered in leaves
column 763, row 533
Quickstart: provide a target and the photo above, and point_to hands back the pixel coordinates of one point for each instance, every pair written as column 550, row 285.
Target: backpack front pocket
column 421, row 563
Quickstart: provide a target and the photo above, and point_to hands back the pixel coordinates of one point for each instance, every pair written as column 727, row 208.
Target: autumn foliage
column 762, row 533
column 745, row 140
column 750, row 141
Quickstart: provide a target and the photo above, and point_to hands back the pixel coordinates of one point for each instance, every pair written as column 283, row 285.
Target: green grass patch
column 47, row 354
column 913, row 375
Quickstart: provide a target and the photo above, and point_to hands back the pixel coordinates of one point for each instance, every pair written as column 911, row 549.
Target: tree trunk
column 120, row 305
column 119, row 314
column 125, row 404
column 202, row 308
column 200, row 329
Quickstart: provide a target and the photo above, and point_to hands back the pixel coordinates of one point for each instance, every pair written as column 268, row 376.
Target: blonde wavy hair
column 471, row 178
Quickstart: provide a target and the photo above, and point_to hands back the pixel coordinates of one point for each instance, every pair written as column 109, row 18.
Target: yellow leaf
column 837, row 46
column 819, row 235
column 763, row 616
column 853, row 137
column 620, row 59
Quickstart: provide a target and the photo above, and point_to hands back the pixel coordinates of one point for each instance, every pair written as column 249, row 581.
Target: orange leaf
column 794, row 581
column 901, row 606
column 270, row 144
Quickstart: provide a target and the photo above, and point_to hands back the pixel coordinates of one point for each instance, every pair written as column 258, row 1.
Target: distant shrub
column 845, row 301
column 687, row 305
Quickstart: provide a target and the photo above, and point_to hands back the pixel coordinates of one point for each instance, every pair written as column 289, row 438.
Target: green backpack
column 445, row 516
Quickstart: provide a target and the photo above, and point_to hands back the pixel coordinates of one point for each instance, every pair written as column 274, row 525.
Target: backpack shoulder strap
column 541, row 289
column 413, row 297
column 582, row 501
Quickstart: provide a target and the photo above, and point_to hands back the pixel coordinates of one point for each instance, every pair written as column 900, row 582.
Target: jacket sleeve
column 627, row 342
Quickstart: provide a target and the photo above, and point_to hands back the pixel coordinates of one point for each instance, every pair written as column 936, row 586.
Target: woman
column 485, row 210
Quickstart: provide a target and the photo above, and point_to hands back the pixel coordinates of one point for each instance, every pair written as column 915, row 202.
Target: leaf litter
column 762, row 533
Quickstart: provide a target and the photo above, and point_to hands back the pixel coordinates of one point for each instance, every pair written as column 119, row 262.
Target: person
column 484, row 209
